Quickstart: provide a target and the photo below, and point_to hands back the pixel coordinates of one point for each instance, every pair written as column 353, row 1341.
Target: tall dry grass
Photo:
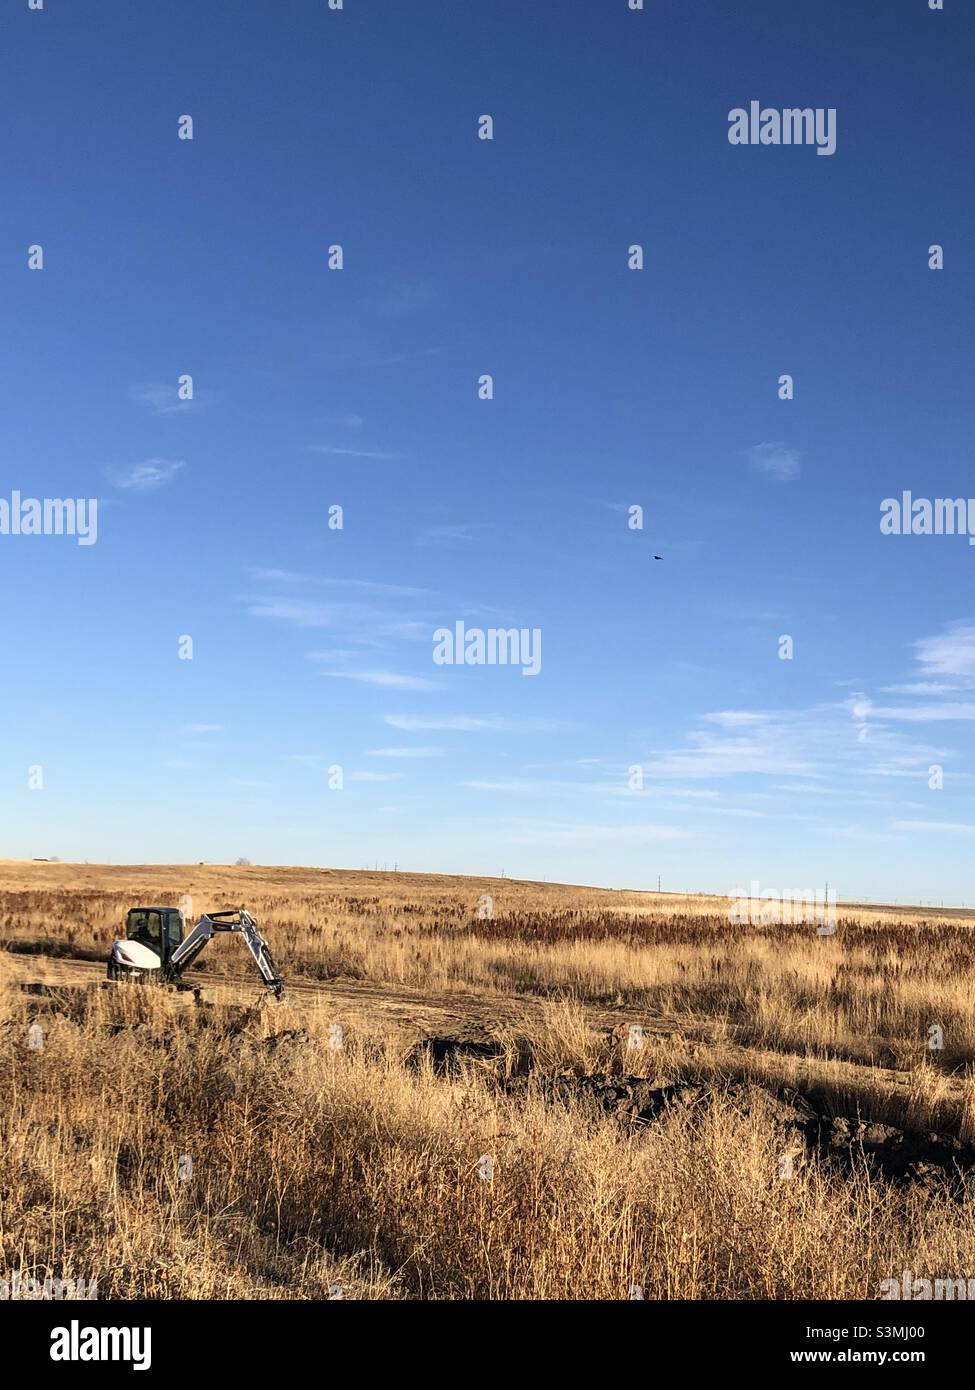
column 316, row 1168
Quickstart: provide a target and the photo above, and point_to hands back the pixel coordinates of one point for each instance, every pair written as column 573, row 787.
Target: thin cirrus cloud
column 400, row 359
column 815, row 743
column 736, row 718
column 320, row 763
column 949, row 653
column 450, row 533
column 339, row 451
column 390, row 680
column 361, row 586
column 305, row 612
column 148, row 475
column 369, row 622
column 771, row 750
column 660, row 790
column 934, row 827
column 559, row 833
column 401, row 300
column 405, row 753
column 858, row 834
column 919, row 688
column 775, row 460
column 160, row 398
column 555, row 787
column 466, row 723
column 921, row 714
column 363, row 613
column 522, row 786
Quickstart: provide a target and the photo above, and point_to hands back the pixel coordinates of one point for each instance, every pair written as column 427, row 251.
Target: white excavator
column 154, row 949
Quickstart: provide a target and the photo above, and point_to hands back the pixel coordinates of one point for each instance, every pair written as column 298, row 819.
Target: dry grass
column 315, row 1168
column 870, row 993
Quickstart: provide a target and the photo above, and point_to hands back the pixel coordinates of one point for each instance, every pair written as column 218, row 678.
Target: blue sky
column 312, row 647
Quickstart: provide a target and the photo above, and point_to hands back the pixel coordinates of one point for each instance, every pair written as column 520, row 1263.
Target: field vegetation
column 358, row 1165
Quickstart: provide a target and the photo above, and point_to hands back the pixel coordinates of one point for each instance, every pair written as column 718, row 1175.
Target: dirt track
column 457, row 1013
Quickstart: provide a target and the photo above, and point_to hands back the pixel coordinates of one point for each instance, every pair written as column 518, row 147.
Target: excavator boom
column 232, row 920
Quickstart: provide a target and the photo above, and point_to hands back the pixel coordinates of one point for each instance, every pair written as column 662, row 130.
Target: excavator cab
column 152, row 936
column 159, row 928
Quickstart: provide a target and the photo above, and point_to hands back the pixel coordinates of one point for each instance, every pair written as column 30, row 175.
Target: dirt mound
column 447, row 1055
column 921, row 1158
column 287, row 1038
column 799, row 1123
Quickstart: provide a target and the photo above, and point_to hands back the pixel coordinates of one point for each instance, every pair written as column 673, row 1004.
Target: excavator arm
column 233, row 920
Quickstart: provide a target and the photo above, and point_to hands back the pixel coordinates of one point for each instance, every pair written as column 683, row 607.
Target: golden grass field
column 320, row 1166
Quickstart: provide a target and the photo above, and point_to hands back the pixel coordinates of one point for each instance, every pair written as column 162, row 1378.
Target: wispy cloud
column 303, row 612
column 557, row 833
column 858, row 834
column 392, row 680
column 401, row 359
column 737, row 718
column 162, row 399
column 151, row 473
column 467, row 723
column 321, row 763
column 405, row 753
column 450, row 533
column 382, row 327
column 775, row 460
column 949, row 653
column 934, row 827
column 813, row 743
column 360, row 586
column 772, row 750
column 919, row 688
column 401, row 300
column 917, row 714
column 363, row 612
column 376, row 628
column 656, row 790
column 337, row 451
column 520, row 786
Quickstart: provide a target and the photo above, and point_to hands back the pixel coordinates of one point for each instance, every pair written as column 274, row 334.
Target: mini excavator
column 155, row 951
